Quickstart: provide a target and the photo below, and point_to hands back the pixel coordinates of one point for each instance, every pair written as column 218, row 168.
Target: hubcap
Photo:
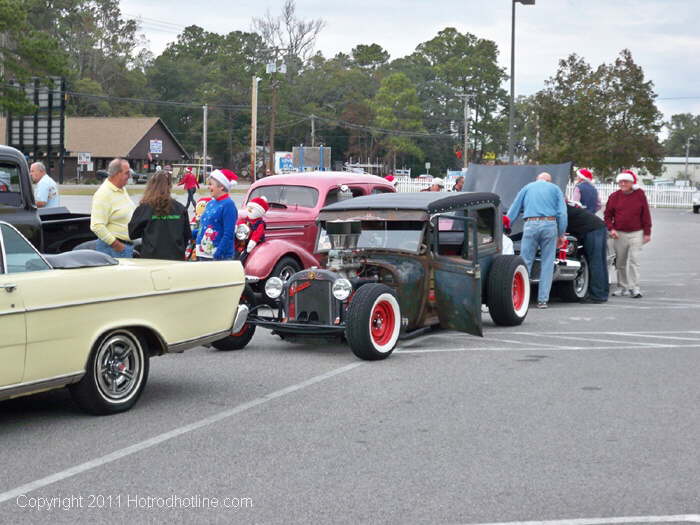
column 118, row 367
column 382, row 323
column 581, row 279
column 518, row 291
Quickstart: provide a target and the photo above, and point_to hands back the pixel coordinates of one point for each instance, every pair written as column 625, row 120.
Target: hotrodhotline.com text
column 129, row 501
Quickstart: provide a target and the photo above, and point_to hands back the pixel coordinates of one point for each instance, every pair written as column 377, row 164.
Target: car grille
column 312, row 301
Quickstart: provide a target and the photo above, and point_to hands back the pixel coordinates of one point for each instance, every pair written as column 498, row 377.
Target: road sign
column 83, row 159
column 427, row 165
column 155, row 147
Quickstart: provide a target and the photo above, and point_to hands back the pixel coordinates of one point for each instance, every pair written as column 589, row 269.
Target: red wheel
column 518, row 291
column 382, row 323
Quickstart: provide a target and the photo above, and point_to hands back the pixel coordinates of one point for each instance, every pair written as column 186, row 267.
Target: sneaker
column 636, row 293
column 619, row 292
column 542, row 305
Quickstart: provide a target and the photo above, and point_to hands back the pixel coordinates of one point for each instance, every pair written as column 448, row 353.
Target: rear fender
column 264, row 256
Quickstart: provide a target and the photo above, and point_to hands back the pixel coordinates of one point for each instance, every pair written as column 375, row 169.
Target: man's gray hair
column 39, row 165
column 115, row 166
column 544, row 176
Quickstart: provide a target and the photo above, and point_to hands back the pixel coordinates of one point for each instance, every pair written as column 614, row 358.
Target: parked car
column 139, row 178
column 87, row 321
column 50, row 230
column 397, row 266
column 295, row 202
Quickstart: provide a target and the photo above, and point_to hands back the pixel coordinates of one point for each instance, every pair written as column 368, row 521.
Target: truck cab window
column 10, row 188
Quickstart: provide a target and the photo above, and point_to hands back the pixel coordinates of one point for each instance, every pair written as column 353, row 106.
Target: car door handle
column 9, row 287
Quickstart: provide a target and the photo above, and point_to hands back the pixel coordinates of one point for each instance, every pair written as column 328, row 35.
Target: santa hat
column 584, row 174
column 231, row 176
column 438, row 181
column 630, row 176
column 226, row 178
column 392, row 179
column 260, row 203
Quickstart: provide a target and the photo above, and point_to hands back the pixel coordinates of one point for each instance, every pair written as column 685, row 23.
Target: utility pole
column 254, row 128
column 273, row 115
column 205, row 109
column 465, row 155
column 687, row 151
column 313, row 130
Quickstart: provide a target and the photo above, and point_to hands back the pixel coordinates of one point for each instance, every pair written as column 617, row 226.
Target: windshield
column 303, row 196
column 404, row 236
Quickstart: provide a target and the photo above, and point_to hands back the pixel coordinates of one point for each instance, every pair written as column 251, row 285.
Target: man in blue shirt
column 544, row 212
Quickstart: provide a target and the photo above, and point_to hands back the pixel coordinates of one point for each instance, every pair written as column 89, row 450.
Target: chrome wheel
column 119, row 367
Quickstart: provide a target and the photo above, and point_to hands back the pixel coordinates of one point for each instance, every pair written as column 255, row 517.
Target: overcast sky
column 663, row 35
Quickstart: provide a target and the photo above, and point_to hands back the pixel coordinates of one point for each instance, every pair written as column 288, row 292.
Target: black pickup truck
column 51, row 230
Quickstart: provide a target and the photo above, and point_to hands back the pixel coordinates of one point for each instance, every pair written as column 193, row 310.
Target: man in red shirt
column 189, row 181
column 628, row 220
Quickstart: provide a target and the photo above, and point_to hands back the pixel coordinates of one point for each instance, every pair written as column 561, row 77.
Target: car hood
column 506, row 181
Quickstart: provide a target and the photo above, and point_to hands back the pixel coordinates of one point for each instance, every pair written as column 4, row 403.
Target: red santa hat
column 259, row 203
column 220, row 177
column 231, row 176
column 506, row 222
column 630, row 176
column 584, row 174
column 391, row 178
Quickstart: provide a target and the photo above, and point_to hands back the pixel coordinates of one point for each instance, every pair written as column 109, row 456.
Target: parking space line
column 597, row 340
column 610, row 332
column 513, row 341
column 166, row 436
column 543, row 349
column 678, row 518
column 660, row 336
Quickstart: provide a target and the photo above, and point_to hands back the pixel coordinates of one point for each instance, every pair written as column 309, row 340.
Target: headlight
column 342, row 288
column 242, row 232
column 273, row 287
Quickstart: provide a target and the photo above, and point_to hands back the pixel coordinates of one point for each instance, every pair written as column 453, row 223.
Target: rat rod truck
column 50, row 230
column 397, row 265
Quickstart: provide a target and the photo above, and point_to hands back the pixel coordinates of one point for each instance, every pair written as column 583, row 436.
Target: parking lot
column 584, row 414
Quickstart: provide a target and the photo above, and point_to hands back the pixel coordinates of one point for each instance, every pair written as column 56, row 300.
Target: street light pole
column 511, row 116
column 687, row 151
column 254, row 128
column 205, row 115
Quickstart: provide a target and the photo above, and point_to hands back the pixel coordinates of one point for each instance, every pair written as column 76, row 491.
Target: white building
column 674, row 168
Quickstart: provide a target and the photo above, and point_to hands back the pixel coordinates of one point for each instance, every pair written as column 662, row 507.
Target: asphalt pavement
column 585, row 414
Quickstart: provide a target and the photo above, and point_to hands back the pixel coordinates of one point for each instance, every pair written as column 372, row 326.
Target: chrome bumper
column 563, row 271
column 240, row 319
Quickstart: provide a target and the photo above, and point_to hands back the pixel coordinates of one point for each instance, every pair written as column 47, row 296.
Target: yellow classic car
column 88, row 321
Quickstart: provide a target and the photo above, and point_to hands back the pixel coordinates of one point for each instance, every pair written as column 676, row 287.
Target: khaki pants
column 628, row 249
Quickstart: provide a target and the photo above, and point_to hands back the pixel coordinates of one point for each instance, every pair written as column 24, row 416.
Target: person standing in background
column 189, row 182
column 160, row 221
column 628, row 219
column 111, row 212
column 46, row 191
column 544, row 211
column 585, row 192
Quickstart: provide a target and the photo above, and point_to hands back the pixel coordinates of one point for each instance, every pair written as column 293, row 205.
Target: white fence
column 658, row 197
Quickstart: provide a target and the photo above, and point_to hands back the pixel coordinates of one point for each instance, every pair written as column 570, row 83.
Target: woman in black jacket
column 160, row 221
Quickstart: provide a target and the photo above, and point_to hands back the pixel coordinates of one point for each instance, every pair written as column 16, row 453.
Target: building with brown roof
column 146, row 142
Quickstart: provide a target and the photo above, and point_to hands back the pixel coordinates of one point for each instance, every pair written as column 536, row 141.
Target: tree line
column 362, row 103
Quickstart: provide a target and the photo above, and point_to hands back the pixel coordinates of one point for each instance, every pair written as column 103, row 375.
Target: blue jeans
column 595, row 244
column 542, row 234
column 103, row 247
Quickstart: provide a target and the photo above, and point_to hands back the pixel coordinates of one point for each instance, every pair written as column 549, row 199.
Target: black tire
column 574, row 291
column 371, row 307
column 508, row 290
column 285, row 268
column 240, row 339
column 105, row 388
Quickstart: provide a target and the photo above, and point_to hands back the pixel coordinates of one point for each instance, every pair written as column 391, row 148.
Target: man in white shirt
column 46, row 191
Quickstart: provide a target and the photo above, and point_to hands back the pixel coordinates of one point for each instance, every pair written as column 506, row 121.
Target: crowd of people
column 160, row 221
column 166, row 231
column 548, row 215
